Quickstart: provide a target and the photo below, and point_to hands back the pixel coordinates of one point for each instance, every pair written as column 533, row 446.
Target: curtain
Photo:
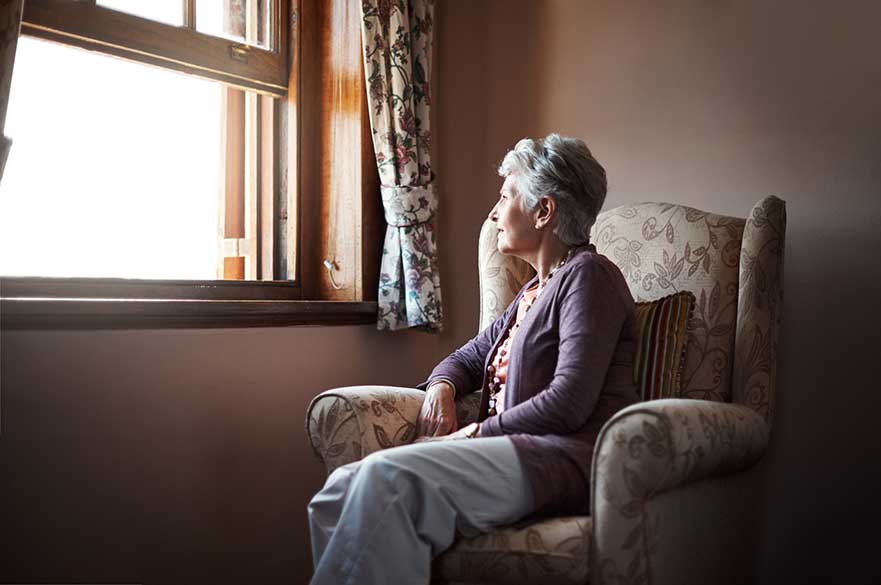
column 397, row 38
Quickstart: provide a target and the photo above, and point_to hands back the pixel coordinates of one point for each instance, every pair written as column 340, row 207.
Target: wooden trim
column 341, row 209
column 371, row 224
column 290, row 208
column 281, row 26
column 266, row 202
column 252, row 183
column 232, row 190
column 179, row 48
column 35, row 313
column 134, row 288
column 234, row 267
column 307, row 116
column 252, row 21
column 231, row 204
column 190, row 14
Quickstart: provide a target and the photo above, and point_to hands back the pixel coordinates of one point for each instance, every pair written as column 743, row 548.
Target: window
column 235, row 216
column 231, row 51
column 138, row 165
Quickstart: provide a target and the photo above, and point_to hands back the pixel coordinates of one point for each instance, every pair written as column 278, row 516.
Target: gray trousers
column 383, row 519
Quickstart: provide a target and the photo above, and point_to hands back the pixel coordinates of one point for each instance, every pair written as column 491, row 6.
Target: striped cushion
column 660, row 353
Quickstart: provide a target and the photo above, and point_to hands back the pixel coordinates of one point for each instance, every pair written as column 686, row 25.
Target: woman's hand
column 438, row 414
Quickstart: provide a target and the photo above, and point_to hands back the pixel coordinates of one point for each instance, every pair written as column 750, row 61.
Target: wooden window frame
column 85, row 24
column 292, row 192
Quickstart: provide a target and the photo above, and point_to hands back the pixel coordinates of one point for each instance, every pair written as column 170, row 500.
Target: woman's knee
column 335, row 486
column 386, row 468
column 343, row 473
column 377, row 463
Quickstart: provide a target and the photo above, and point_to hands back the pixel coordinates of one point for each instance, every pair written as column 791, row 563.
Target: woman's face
column 515, row 223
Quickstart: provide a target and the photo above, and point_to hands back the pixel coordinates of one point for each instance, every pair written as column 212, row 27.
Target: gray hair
column 562, row 168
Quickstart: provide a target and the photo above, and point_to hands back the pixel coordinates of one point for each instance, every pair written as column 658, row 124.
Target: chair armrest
column 346, row 424
column 655, row 447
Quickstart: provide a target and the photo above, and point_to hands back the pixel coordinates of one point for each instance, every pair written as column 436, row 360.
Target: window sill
column 81, row 313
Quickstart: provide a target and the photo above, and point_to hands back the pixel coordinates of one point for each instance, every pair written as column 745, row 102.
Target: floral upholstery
column 547, row 551
column 759, row 306
column 651, row 448
column 657, row 464
column 346, row 424
column 663, row 248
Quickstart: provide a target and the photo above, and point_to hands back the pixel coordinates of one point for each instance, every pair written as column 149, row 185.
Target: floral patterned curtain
column 397, row 37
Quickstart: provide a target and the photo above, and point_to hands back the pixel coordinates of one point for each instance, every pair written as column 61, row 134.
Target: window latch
column 239, row 52
column 331, row 266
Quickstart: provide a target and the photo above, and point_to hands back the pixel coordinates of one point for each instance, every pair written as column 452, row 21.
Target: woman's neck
column 549, row 256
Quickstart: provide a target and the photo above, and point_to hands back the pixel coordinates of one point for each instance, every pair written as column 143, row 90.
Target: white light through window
column 167, row 11
column 114, row 169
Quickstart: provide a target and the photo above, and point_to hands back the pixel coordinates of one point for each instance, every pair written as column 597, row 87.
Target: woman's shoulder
column 586, row 261
column 591, row 269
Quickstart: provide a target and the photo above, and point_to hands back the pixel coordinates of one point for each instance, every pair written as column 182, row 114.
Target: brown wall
column 716, row 104
column 173, row 456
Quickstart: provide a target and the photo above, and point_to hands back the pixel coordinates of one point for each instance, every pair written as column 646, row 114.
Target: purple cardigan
column 570, row 370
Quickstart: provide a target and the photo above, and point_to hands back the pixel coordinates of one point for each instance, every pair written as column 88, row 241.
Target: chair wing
column 759, row 306
column 663, row 248
column 501, row 276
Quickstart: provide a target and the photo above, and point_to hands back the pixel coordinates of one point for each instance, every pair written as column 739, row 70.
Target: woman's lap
column 384, row 518
column 482, row 479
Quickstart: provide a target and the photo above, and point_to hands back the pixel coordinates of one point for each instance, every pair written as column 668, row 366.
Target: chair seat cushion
column 547, row 552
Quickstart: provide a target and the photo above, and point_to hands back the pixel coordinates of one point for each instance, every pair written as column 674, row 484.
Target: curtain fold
column 397, row 40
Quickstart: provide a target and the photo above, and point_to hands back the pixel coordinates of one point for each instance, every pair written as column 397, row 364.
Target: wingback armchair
column 674, row 491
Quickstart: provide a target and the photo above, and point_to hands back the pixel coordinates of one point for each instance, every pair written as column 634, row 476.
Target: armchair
column 673, row 489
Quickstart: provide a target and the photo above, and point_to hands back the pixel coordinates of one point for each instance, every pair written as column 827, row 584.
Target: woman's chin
column 502, row 248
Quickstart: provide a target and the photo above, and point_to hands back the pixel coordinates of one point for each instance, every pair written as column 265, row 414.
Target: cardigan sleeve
column 464, row 367
column 591, row 317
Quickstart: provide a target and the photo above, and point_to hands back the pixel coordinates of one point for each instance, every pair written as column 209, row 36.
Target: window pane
column 241, row 20
column 114, row 169
column 167, row 11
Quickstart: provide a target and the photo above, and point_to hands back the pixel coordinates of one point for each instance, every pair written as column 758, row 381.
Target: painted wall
column 716, row 104
column 177, row 456
column 172, row 456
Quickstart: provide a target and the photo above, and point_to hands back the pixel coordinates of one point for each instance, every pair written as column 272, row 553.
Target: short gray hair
column 562, row 168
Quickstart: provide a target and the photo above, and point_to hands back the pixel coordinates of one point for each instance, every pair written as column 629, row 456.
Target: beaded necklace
column 495, row 383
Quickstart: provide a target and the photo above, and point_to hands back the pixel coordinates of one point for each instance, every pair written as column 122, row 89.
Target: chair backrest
column 733, row 266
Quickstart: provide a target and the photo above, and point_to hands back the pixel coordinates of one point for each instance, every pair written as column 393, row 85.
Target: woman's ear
column 545, row 211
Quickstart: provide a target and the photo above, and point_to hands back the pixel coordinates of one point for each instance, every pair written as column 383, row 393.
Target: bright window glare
column 168, row 11
column 114, row 169
column 210, row 17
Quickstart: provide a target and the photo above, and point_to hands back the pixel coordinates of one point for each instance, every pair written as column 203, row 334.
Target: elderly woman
column 553, row 369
